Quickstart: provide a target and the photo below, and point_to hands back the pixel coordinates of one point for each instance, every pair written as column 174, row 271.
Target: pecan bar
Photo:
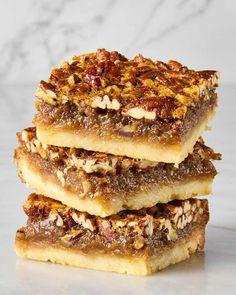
column 137, row 107
column 104, row 184
column 133, row 242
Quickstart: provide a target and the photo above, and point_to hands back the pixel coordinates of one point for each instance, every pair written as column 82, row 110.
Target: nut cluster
column 89, row 162
column 139, row 88
column 144, row 224
column 94, row 162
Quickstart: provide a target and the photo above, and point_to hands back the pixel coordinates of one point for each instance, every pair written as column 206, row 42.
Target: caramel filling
column 110, row 124
column 96, row 174
column 135, row 233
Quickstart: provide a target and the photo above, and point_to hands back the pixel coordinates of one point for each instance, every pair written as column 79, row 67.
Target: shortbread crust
column 139, row 108
column 36, row 179
column 141, row 240
column 103, row 184
column 133, row 148
column 180, row 251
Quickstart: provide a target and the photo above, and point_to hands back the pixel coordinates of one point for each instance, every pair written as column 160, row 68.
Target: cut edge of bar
column 179, row 251
column 156, row 152
column 50, row 187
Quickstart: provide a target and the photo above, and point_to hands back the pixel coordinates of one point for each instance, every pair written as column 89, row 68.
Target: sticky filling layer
column 144, row 232
column 95, row 174
column 111, row 124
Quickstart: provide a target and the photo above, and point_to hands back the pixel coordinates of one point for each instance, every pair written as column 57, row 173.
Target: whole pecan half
column 151, row 108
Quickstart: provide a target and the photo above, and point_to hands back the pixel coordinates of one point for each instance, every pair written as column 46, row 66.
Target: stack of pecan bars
column 116, row 157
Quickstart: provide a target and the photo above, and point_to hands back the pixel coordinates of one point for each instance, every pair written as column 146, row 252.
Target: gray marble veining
column 41, row 34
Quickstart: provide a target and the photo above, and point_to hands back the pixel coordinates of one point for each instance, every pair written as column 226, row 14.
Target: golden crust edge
column 179, row 251
column 156, row 152
column 34, row 179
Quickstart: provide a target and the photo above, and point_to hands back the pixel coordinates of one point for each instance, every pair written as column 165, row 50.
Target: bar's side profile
column 138, row 108
column 103, row 184
column 134, row 242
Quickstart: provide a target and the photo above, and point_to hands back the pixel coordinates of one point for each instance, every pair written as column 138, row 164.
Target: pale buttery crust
column 178, row 251
column 132, row 148
column 50, row 186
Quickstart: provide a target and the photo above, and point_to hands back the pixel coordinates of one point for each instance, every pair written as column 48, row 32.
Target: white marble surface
column 211, row 273
column 36, row 35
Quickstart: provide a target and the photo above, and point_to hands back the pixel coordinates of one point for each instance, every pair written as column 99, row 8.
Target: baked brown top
column 95, row 162
column 130, row 230
column 140, row 88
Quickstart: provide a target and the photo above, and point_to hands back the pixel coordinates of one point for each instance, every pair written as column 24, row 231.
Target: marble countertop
column 41, row 34
column 211, row 272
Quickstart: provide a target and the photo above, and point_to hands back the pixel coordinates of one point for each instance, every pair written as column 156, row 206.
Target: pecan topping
column 140, row 87
column 105, row 103
column 150, row 109
column 141, row 226
column 93, row 162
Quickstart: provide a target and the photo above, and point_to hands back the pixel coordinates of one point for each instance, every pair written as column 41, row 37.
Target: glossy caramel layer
column 130, row 233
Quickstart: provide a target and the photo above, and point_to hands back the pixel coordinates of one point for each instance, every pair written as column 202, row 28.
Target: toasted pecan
column 168, row 88
column 95, row 162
